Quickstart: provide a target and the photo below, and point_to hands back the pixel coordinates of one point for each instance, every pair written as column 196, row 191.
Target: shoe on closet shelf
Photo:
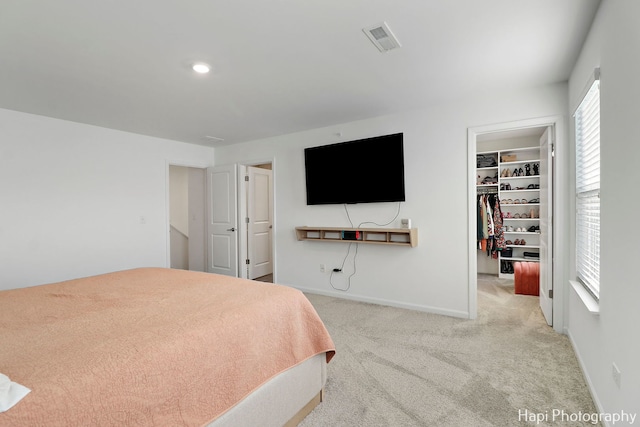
column 516, row 242
column 507, row 215
column 490, row 180
column 508, row 242
column 509, row 229
column 517, row 216
column 523, row 242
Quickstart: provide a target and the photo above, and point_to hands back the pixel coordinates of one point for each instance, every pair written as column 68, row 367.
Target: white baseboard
column 391, row 303
column 590, row 386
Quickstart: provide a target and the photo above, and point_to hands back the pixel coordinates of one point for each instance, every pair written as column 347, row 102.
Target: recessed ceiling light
column 201, row 68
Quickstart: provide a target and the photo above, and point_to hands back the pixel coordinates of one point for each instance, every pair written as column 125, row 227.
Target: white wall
column 433, row 276
column 613, row 336
column 72, row 197
column 197, row 220
column 179, row 198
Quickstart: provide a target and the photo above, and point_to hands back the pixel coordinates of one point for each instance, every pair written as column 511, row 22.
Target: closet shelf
column 380, row 236
column 519, row 177
column 516, row 162
column 519, row 259
column 521, row 232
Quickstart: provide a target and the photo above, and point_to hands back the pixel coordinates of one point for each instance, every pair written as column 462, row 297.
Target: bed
column 160, row 347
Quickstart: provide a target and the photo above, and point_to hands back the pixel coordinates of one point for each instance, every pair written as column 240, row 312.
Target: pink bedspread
column 149, row 346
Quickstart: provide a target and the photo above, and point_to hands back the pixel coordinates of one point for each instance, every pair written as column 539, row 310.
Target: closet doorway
column 511, row 170
column 240, row 220
column 256, row 230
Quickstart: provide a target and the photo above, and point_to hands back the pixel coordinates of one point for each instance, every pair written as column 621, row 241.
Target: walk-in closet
column 512, row 177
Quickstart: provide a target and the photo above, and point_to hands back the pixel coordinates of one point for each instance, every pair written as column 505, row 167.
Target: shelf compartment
column 330, row 235
column 373, row 236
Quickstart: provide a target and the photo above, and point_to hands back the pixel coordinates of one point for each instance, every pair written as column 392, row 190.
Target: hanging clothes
column 490, row 229
column 486, row 223
column 480, row 235
column 498, row 231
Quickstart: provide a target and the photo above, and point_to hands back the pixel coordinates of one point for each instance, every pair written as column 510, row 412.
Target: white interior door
column 222, row 227
column 260, row 223
column 546, row 225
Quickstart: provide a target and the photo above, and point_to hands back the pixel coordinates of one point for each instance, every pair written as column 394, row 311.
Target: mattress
column 151, row 346
column 280, row 399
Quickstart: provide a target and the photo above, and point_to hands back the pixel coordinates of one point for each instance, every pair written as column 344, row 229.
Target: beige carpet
column 396, row 367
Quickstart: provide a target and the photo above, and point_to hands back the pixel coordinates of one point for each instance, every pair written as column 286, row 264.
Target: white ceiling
column 279, row 66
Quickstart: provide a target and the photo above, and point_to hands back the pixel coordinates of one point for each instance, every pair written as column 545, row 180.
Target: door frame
column 168, row 204
column 560, row 209
column 242, row 213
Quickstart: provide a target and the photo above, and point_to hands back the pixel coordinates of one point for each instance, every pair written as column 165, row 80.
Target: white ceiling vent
column 381, row 36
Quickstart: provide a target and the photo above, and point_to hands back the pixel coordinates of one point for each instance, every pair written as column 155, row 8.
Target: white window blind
column 587, row 122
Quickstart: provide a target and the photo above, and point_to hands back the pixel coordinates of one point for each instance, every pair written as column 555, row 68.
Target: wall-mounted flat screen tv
column 362, row 171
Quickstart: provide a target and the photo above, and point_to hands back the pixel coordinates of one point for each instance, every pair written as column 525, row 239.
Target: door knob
column 231, row 229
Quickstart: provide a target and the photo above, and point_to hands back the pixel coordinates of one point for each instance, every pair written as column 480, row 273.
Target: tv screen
column 362, row 171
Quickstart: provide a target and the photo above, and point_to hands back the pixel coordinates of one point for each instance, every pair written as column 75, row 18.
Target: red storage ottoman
column 527, row 278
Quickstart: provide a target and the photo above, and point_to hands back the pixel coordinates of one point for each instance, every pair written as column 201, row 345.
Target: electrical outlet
column 615, row 372
column 322, row 268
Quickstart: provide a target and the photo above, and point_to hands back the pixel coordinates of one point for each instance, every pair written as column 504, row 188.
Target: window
column 587, row 122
